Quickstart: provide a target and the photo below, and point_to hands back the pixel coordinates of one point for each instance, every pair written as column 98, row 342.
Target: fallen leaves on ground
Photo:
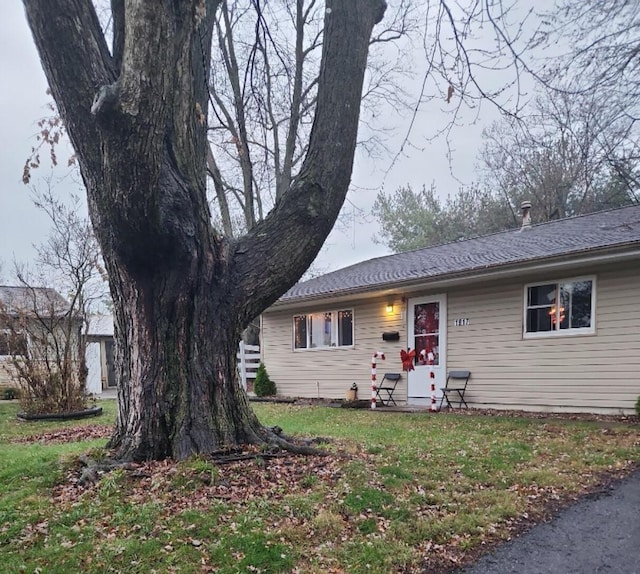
column 70, row 434
column 534, row 415
column 236, row 482
column 200, row 484
column 184, row 486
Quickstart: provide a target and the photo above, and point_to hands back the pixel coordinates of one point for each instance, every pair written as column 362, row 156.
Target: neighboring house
column 100, row 366
column 546, row 318
column 20, row 301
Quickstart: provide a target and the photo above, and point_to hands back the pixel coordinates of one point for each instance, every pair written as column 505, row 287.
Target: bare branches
column 283, row 238
column 277, row 57
column 565, row 157
column 264, row 99
column 70, row 256
column 600, row 46
column 597, row 60
column 473, row 54
column 48, row 316
column 87, row 55
column 42, row 336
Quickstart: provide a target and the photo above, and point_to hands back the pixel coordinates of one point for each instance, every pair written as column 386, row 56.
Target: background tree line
column 572, row 149
column 563, row 156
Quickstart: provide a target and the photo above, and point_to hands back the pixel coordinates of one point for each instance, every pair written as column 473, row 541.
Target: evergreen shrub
column 263, row 386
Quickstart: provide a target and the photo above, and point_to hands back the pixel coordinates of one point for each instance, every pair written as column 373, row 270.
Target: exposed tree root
column 272, row 443
column 275, row 437
column 94, row 469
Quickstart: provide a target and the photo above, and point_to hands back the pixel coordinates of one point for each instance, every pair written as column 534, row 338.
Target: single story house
column 546, row 317
column 17, row 300
column 43, row 308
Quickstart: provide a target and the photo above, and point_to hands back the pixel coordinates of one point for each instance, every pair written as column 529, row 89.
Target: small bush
column 638, row 407
column 46, row 390
column 263, row 386
column 10, row 394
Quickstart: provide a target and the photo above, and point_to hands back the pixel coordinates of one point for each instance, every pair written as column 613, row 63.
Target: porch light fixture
column 389, row 307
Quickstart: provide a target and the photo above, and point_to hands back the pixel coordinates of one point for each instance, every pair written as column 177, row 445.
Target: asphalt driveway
column 600, row 534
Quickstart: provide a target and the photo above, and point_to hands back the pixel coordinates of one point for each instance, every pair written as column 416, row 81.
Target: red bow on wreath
column 407, row 359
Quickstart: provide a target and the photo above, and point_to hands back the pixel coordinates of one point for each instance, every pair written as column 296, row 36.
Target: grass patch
column 409, row 485
column 251, row 551
column 11, row 427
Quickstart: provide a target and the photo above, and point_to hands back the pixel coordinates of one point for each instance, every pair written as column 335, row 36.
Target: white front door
column 427, row 326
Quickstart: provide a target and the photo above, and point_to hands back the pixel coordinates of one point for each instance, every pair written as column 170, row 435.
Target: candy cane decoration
column 432, row 376
column 429, row 358
column 374, row 386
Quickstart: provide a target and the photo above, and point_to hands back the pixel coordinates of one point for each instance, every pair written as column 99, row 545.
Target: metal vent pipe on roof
column 526, row 215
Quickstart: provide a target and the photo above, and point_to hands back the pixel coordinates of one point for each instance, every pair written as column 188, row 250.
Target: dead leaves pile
column 190, row 485
column 70, row 434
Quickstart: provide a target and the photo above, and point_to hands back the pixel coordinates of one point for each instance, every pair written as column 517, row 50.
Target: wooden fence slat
column 248, row 362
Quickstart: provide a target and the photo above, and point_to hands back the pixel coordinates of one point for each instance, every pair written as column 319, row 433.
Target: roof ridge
column 492, row 234
column 517, row 229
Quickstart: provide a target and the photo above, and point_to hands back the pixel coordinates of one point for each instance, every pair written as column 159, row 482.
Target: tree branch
column 296, row 104
column 218, row 185
column 287, row 241
column 76, row 62
column 244, row 158
column 117, row 14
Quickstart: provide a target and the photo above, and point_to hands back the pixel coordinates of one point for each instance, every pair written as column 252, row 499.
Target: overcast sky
column 23, row 102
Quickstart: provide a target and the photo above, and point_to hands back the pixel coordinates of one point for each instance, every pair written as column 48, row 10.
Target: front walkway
column 599, row 534
column 110, row 394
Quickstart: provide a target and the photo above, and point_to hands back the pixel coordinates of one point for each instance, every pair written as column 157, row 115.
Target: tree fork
column 182, row 293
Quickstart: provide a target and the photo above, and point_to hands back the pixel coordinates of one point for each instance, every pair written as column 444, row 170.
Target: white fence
column 248, row 362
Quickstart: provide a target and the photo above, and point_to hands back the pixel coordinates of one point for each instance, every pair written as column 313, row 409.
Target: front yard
column 397, row 493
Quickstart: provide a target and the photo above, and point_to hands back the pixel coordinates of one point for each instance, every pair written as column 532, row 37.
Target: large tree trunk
column 183, row 293
column 178, row 342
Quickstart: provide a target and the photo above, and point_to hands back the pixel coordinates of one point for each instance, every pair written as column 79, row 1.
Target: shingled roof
column 20, row 298
column 616, row 230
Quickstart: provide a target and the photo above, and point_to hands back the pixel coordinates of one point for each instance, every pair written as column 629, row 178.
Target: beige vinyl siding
column 329, row 372
column 599, row 372
column 6, row 369
column 5, row 378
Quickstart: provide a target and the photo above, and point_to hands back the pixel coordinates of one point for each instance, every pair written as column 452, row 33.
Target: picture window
column 323, row 330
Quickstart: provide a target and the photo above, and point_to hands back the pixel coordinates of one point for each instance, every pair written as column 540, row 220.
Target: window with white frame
column 563, row 307
column 322, row 330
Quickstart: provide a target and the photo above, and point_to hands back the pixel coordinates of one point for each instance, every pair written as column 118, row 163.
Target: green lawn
column 398, row 493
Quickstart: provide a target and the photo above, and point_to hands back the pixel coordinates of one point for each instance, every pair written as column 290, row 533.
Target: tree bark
column 182, row 293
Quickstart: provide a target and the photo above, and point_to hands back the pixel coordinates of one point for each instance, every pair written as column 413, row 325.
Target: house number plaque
column 461, row 322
